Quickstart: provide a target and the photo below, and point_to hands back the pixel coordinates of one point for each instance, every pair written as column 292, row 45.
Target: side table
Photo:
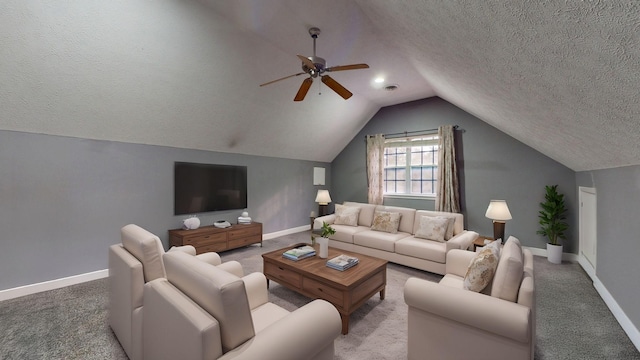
column 480, row 241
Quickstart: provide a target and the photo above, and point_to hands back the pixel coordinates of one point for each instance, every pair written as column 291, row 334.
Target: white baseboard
column 618, row 313
column 52, row 284
column 78, row 279
column 543, row 253
column 285, row 232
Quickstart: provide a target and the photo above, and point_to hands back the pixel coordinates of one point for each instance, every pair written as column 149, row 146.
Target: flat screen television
column 202, row 188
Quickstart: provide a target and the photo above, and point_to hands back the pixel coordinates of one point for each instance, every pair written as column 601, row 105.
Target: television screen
column 206, row 187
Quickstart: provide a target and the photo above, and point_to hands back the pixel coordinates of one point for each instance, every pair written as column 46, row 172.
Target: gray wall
column 63, row 200
column 493, row 165
column 618, row 199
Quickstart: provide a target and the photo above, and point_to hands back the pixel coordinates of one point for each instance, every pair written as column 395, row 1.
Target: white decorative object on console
column 191, row 223
column 244, row 218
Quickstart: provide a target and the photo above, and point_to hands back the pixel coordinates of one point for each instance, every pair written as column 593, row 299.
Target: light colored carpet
column 71, row 323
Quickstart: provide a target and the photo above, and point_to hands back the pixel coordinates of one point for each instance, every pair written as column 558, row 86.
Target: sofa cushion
column 407, row 216
column 346, row 215
column 423, row 249
column 386, row 221
column 432, row 228
column 481, row 270
column 146, row 247
column 344, row 233
column 218, row 292
column 506, row 281
column 458, row 224
column 366, row 212
column 378, row 240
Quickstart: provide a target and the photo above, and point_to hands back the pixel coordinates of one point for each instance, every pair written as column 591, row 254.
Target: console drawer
column 202, row 240
column 211, row 248
column 236, row 243
column 323, row 291
column 245, row 232
column 280, row 273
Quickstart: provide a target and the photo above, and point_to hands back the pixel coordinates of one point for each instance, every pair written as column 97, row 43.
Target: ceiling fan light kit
column 315, row 66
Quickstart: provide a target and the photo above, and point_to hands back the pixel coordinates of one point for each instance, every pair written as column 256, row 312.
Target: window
column 411, row 166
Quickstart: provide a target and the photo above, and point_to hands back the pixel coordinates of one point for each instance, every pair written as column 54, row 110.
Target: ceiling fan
column 315, row 66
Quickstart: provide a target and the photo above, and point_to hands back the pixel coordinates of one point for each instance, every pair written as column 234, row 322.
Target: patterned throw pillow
column 481, row 270
column 386, row 221
column 346, row 215
column 450, row 224
column 432, row 228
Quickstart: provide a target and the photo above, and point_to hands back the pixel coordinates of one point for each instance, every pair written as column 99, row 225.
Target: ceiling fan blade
column 286, row 77
column 335, row 86
column 308, row 62
column 348, row 67
column 302, row 92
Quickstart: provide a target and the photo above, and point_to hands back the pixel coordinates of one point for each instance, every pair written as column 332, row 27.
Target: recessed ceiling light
column 391, row 87
column 379, row 80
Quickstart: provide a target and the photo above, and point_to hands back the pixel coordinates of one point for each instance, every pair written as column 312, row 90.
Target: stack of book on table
column 298, row 253
column 342, row 262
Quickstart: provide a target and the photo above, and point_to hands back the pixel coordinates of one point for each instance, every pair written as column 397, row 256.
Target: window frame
column 408, row 142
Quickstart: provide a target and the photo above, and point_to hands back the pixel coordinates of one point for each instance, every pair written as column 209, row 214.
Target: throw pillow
column 509, row 272
column 346, row 215
column 481, row 270
column 432, row 228
column 386, row 221
column 450, row 223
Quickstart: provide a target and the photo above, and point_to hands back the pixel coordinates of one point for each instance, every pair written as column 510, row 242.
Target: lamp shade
column 323, row 197
column 498, row 210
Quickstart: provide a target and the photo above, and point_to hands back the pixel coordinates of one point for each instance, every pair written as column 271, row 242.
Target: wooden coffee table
column 346, row 290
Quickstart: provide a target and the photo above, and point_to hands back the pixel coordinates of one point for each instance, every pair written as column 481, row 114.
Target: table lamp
column 323, row 199
column 498, row 211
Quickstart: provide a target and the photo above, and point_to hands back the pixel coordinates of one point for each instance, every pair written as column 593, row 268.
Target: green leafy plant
column 326, row 230
column 552, row 216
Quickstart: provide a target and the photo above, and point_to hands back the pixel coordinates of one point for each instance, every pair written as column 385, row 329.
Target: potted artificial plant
column 325, row 231
column 552, row 222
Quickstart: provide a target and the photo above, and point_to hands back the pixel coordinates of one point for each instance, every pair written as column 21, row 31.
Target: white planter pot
column 554, row 253
column 324, row 247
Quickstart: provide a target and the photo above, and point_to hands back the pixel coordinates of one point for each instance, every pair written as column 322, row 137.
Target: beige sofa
column 402, row 247
column 445, row 321
column 132, row 263
column 201, row 312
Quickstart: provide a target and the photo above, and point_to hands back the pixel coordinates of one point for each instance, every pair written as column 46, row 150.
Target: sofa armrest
column 255, row 285
column 462, row 241
column 329, row 219
column 189, row 249
column 210, row 257
column 458, row 262
column 303, row 334
column 479, row 311
column 232, row 267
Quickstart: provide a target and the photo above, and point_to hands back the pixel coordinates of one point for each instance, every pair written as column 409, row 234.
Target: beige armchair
column 445, row 321
column 200, row 312
column 137, row 260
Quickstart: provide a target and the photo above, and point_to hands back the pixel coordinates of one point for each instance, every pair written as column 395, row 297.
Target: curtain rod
column 417, row 132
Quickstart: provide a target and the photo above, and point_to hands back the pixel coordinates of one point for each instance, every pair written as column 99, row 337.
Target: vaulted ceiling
column 561, row 76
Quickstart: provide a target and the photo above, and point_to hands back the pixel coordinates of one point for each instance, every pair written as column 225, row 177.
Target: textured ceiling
column 561, row 76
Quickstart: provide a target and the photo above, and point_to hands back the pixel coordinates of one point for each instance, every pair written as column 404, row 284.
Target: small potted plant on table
column 325, row 231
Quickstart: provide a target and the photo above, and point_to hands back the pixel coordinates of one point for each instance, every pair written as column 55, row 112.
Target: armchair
column 445, row 321
column 137, row 260
column 200, row 312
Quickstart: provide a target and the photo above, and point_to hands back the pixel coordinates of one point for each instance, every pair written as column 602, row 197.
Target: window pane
column 402, row 156
column 400, row 187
